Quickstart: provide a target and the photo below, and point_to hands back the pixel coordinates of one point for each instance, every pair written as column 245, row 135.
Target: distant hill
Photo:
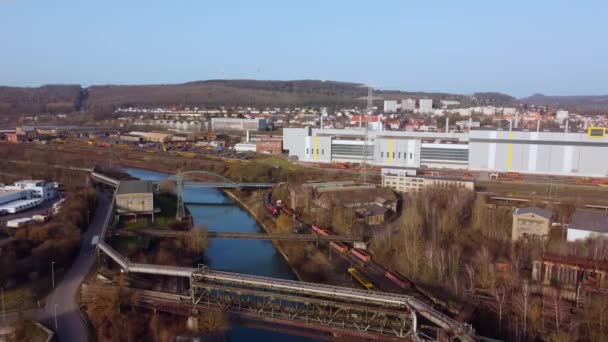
column 212, row 93
column 581, row 104
column 48, row 98
column 266, row 93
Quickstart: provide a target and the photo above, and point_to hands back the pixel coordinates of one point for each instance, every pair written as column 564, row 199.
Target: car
column 3, row 212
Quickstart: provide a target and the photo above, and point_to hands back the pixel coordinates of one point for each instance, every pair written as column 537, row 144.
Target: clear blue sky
column 517, row 47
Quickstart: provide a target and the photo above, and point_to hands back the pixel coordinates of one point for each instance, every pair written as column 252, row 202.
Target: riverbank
column 264, row 226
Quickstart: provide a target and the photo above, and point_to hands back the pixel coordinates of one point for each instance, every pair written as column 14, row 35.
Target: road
column 70, row 325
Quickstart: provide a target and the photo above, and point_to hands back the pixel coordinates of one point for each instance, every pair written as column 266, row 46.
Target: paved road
column 70, row 326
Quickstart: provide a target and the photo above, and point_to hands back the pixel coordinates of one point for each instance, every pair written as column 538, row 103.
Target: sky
column 516, row 47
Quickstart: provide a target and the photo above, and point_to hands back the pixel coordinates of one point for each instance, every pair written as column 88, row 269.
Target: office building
column 408, row 105
column 390, row 106
column 426, row 106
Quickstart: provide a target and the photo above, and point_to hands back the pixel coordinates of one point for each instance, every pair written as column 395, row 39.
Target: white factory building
column 538, row 152
column 25, row 194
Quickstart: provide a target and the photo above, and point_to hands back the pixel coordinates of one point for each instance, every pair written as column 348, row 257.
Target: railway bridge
column 302, row 304
column 163, row 233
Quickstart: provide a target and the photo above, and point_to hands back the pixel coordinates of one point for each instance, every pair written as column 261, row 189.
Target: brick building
column 269, row 145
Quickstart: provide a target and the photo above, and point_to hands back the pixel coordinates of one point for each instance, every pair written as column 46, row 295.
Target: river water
column 218, row 213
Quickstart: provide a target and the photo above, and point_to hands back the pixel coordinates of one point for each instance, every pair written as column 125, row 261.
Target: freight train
column 342, row 248
column 268, row 203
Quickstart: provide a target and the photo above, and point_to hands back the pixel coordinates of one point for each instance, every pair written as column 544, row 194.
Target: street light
column 3, row 315
column 56, row 317
column 53, row 272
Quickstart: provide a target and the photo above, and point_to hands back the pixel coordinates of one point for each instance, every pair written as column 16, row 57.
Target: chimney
column 321, row 121
column 447, row 124
column 585, row 124
column 567, row 124
column 470, row 122
column 516, row 119
column 538, row 125
column 247, row 138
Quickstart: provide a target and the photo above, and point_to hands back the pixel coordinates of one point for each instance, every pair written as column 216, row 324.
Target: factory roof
column 135, row 187
column 19, row 203
column 534, row 210
column 589, row 220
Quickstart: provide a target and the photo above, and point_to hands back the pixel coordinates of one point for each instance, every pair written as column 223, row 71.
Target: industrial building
column 25, row 195
column 238, row 124
column 531, row 224
column 269, row 145
column 402, row 180
column 181, row 125
column 135, row 198
column 586, row 224
column 541, row 152
column 158, row 137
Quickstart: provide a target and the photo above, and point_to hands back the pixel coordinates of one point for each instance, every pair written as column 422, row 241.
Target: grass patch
column 26, row 296
column 123, row 243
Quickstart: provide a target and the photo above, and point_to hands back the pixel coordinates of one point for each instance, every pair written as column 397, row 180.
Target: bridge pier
column 193, row 324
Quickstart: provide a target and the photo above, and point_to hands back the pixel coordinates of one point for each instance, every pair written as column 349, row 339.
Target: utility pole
column 3, row 313
column 56, row 326
column 53, row 272
column 181, row 211
column 365, row 149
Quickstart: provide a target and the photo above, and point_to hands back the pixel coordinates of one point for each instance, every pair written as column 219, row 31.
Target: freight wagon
column 397, row 280
column 320, row 230
column 339, row 246
column 361, row 255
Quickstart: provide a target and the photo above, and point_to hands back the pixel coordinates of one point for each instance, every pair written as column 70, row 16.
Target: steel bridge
column 185, row 178
column 163, row 233
column 310, row 305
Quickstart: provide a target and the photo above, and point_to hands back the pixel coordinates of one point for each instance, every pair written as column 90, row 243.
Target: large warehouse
column 559, row 153
column 544, row 152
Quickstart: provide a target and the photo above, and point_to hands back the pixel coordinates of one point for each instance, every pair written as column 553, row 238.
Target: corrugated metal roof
column 589, row 220
column 534, row 210
column 135, row 187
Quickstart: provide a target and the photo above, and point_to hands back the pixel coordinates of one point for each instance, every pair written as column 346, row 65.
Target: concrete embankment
column 264, row 225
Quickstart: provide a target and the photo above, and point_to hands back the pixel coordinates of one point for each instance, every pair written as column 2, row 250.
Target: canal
column 257, row 257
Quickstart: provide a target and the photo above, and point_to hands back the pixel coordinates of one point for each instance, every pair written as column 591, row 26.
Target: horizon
column 514, row 48
column 84, row 86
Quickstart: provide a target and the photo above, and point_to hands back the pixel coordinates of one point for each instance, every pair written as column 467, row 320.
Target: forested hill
column 580, row 104
column 213, row 93
column 47, row 98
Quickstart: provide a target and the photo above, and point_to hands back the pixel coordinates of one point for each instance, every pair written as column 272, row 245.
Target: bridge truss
column 334, row 315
